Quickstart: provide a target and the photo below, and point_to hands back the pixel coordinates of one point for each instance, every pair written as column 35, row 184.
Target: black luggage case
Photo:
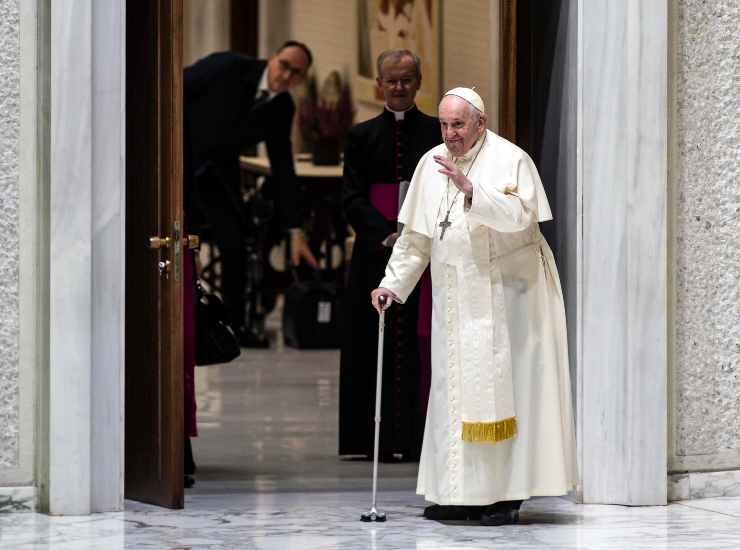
column 311, row 315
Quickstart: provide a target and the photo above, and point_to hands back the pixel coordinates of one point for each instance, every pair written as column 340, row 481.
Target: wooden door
column 154, row 400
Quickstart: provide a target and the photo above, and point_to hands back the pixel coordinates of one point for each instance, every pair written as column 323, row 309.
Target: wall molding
column 695, row 485
column 18, row 499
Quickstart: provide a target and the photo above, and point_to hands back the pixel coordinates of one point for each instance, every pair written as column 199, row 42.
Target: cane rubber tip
column 377, row 517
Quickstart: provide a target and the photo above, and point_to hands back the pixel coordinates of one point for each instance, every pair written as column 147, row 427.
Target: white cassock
column 500, row 421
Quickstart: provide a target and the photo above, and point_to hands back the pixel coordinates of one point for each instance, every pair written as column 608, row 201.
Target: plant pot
column 326, row 152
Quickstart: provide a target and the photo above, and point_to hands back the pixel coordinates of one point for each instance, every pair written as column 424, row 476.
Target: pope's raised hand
column 375, row 296
column 451, row 170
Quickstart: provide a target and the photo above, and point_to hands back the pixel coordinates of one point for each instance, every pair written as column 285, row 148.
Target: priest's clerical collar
column 473, row 150
column 399, row 115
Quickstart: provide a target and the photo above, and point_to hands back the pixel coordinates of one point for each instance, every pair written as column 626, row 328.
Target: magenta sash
column 384, row 197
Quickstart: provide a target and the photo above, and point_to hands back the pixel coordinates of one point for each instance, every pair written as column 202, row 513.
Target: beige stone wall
column 10, row 130
column 705, row 184
column 206, row 28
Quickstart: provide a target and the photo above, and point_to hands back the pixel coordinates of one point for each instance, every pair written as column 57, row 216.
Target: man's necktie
column 261, row 99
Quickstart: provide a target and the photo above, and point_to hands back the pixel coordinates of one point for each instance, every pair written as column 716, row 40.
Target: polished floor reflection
column 268, row 422
column 269, row 479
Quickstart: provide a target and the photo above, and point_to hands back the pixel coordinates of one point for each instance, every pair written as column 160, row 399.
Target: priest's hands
column 375, row 296
column 450, row 169
column 299, row 249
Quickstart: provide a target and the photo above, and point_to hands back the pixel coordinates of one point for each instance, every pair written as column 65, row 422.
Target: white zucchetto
column 469, row 95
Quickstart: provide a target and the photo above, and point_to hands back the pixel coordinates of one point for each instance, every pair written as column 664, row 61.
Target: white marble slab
column 723, row 505
column 313, row 521
column 623, row 180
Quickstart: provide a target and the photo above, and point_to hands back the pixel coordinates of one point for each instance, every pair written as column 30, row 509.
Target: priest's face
column 399, row 82
column 461, row 124
column 286, row 68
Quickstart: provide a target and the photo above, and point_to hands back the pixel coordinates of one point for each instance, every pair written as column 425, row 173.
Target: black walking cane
column 373, row 514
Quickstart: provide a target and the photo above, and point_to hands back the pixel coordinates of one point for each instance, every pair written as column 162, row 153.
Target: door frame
column 81, row 66
column 79, row 433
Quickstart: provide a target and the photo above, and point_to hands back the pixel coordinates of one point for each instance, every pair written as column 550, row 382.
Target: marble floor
column 269, row 479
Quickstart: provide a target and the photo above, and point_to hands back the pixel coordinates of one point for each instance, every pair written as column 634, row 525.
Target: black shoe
column 501, row 513
column 438, row 512
column 509, row 517
column 189, row 481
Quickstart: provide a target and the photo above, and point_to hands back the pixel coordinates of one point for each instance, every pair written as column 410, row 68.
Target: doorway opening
column 268, row 422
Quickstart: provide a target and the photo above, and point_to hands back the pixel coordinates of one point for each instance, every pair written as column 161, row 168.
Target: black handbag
column 311, row 315
column 215, row 341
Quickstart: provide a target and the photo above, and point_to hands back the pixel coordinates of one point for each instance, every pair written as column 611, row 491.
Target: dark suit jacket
column 219, row 121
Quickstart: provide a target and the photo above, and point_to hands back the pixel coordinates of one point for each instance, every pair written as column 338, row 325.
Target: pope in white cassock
column 499, row 425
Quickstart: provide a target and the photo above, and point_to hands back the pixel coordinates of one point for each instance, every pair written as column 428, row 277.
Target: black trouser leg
column 233, row 281
column 189, row 460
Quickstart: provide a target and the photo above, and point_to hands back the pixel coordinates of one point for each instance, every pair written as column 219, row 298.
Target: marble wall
column 10, row 128
column 706, row 165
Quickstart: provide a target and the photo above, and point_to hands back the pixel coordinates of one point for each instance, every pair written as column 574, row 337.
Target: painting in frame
column 387, row 24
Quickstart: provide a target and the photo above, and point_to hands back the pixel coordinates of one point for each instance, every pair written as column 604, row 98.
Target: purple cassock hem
column 189, row 298
column 384, row 197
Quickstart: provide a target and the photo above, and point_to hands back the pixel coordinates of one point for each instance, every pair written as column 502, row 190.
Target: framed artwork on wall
column 387, row 24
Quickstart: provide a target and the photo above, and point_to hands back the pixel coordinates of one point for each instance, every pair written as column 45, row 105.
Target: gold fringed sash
column 491, row 432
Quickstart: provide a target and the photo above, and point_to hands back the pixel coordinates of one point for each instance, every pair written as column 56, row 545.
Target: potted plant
column 324, row 118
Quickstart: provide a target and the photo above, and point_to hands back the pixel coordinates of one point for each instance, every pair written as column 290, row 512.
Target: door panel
column 154, row 366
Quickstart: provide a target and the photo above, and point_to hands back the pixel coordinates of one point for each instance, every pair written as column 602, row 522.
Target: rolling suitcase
column 311, row 315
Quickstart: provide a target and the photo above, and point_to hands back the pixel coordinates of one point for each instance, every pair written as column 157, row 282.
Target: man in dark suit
column 232, row 102
column 381, row 153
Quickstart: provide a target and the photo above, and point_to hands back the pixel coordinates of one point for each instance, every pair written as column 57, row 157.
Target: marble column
column 108, row 253
column 86, row 265
column 622, row 382
column 70, row 297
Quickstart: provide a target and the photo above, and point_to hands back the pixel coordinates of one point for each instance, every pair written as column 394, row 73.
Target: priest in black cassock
column 380, row 157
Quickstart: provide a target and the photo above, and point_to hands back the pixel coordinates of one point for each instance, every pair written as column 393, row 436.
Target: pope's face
column 399, row 82
column 286, row 68
column 460, row 128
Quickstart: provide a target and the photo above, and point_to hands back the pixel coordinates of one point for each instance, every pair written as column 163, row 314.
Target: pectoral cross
column 444, row 224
